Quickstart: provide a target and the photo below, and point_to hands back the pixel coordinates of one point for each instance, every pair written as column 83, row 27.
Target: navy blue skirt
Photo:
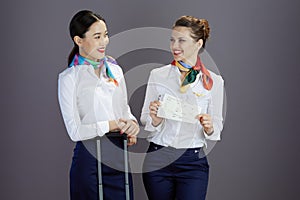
column 84, row 170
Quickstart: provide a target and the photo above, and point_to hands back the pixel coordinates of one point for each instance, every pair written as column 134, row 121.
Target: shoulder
column 218, row 80
column 161, row 70
column 72, row 72
column 66, row 72
column 218, row 83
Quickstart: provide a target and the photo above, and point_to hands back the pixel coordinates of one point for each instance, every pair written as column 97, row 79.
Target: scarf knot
column 192, row 72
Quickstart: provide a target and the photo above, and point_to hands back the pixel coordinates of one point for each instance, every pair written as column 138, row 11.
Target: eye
column 97, row 37
column 182, row 40
column 172, row 40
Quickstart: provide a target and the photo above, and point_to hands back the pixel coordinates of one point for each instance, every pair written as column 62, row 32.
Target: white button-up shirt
column 88, row 102
column 166, row 80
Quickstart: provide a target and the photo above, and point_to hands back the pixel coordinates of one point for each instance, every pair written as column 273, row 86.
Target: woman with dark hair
column 93, row 102
column 175, row 166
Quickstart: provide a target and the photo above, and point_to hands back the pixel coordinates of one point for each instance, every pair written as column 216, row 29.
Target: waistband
column 175, row 149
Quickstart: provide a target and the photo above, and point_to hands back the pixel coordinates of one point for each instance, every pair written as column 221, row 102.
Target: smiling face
column 93, row 45
column 183, row 46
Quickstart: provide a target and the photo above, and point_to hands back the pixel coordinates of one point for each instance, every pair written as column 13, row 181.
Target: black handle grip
column 116, row 134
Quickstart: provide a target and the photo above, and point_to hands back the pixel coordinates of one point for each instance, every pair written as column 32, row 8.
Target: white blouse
column 166, row 80
column 88, row 103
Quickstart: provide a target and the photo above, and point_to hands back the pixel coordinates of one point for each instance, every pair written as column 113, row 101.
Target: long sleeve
column 216, row 107
column 68, row 105
column 151, row 95
column 126, row 111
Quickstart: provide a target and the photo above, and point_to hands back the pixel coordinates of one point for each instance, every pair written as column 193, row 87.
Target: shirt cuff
column 150, row 127
column 102, row 128
column 212, row 136
column 160, row 126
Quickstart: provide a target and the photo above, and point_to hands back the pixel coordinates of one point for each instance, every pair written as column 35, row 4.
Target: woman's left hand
column 130, row 127
column 206, row 121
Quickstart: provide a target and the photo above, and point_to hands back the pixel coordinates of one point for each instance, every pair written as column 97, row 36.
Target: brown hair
column 200, row 27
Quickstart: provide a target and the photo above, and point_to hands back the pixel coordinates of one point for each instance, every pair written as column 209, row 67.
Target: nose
column 103, row 40
column 174, row 44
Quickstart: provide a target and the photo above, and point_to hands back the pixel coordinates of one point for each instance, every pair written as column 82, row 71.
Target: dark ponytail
column 74, row 51
column 79, row 25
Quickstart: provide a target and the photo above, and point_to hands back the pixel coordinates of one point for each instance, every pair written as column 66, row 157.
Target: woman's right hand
column 132, row 140
column 153, row 107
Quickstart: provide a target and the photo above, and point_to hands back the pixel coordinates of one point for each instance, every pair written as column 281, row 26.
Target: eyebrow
column 99, row 33
column 181, row 37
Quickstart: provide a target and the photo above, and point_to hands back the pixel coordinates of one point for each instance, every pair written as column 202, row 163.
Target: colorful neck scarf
column 192, row 72
column 79, row 60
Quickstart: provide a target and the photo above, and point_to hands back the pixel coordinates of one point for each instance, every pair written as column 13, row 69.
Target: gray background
column 254, row 43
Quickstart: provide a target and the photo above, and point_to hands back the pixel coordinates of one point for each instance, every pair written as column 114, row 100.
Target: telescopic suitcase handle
column 113, row 135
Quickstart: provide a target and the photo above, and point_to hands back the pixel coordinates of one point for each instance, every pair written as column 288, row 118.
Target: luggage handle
column 114, row 135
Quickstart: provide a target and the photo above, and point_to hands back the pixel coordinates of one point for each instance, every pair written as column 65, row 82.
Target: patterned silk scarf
column 79, row 60
column 192, row 72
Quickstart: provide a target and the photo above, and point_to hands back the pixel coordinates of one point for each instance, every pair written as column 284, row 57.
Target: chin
column 100, row 56
column 178, row 58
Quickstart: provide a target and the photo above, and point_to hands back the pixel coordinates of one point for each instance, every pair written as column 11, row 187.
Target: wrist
column 155, row 123
column 209, row 131
column 113, row 126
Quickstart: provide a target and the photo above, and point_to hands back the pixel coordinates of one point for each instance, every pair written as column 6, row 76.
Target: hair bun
column 206, row 27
